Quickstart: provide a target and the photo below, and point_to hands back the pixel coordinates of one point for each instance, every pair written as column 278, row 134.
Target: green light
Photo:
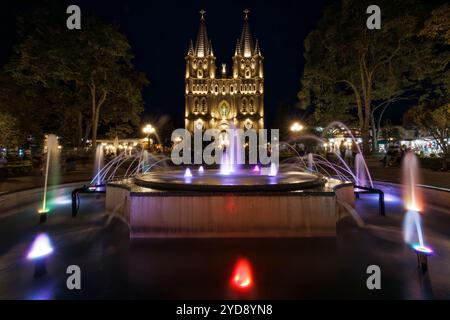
column 43, row 211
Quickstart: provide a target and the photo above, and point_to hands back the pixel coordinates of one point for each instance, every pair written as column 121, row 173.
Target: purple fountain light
column 188, row 173
column 40, row 248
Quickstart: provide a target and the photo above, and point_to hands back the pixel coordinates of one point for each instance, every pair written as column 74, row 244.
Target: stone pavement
column 393, row 174
column 30, row 182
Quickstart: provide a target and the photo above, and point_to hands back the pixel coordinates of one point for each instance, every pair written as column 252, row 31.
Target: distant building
column 218, row 99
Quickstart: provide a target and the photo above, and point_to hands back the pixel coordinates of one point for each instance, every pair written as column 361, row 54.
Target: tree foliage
column 85, row 71
column 351, row 70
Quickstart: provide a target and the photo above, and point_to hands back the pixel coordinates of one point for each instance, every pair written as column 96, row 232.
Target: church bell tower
column 224, row 101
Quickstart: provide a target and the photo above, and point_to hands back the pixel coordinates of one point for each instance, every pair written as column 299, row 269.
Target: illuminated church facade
column 225, row 98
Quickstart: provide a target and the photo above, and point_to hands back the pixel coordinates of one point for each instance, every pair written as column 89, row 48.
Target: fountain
column 273, row 170
column 277, row 201
column 145, row 161
column 310, row 159
column 98, row 163
column 52, row 162
column 226, row 166
column 361, row 172
column 413, row 201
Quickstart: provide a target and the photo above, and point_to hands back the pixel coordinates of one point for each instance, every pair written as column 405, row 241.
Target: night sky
column 159, row 33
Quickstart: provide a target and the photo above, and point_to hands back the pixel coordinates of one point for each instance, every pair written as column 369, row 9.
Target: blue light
column 41, row 247
column 422, row 249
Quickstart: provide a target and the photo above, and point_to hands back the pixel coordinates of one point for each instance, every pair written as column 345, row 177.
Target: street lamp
column 148, row 130
column 296, row 127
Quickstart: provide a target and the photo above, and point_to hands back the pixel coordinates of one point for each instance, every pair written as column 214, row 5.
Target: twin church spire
column 230, row 98
column 244, row 45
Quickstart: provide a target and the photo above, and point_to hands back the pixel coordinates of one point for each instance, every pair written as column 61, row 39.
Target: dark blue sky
column 159, row 33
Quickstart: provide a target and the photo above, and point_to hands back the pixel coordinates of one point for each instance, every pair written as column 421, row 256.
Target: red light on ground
column 242, row 275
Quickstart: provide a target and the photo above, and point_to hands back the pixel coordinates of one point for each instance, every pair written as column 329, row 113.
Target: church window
column 252, row 106
column 244, row 106
column 204, row 108
column 247, row 73
column 200, row 73
column 217, row 88
column 196, row 105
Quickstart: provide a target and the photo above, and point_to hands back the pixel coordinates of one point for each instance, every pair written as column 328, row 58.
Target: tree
column 349, row 67
column 435, row 119
column 87, row 68
column 15, row 108
column 438, row 25
column 10, row 136
column 432, row 114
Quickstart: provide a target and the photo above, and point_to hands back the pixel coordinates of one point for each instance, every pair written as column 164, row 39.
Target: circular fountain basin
column 240, row 181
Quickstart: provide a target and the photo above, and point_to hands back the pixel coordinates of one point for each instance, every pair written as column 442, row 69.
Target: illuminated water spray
column 52, row 158
column 310, row 160
column 413, row 201
column 361, row 172
column 273, row 170
column 98, row 163
column 412, row 196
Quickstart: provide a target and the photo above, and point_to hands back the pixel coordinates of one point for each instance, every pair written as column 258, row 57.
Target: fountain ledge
column 153, row 213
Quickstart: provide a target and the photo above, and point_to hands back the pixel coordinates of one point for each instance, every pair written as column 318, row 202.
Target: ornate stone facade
column 224, row 98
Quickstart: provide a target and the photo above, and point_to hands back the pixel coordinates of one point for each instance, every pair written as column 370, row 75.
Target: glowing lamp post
column 296, row 127
column 40, row 250
column 148, row 130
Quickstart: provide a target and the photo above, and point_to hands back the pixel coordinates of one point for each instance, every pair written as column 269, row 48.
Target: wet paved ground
column 114, row 267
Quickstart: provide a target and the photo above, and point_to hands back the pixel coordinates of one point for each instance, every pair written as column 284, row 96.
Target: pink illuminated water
column 310, row 159
column 413, row 201
column 412, row 195
column 361, row 172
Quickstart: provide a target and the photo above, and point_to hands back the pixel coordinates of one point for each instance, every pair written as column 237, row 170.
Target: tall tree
column 349, row 67
column 432, row 113
column 92, row 64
